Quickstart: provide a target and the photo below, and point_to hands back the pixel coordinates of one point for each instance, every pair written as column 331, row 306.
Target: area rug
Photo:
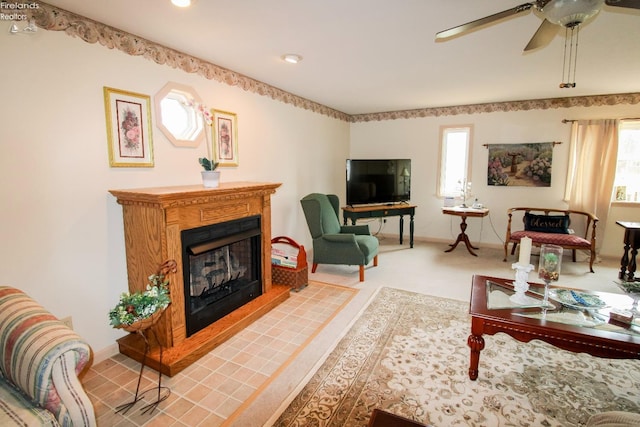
column 407, row 354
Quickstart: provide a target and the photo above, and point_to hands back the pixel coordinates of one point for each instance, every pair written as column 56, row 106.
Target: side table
column 463, row 213
column 631, row 246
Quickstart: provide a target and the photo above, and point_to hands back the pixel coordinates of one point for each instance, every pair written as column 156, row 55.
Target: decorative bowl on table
column 577, row 299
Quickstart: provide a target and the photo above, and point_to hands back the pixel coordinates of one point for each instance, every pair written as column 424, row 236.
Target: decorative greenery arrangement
column 135, row 307
column 207, row 164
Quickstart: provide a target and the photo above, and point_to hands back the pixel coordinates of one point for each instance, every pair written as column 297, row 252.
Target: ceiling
column 365, row 56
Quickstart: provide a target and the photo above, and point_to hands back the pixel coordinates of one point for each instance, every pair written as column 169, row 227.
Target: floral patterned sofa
column 40, row 358
column 552, row 226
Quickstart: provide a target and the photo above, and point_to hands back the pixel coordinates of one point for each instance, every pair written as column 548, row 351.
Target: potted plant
column 140, row 310
column 210, row 176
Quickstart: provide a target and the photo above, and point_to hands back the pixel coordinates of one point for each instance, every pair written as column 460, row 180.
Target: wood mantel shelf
column 153, row 221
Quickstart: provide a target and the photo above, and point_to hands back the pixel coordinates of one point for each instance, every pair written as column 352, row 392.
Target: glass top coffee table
column 577, row 320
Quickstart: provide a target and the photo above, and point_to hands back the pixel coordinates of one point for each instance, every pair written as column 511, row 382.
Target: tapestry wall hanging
column 523, row 165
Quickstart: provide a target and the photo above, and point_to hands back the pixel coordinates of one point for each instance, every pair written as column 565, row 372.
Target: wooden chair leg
column 362, row 273
column 375, row 261
column 313, row 268
column 573, row 255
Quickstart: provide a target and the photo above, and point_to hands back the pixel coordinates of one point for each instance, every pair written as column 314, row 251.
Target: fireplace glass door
column 222, row 270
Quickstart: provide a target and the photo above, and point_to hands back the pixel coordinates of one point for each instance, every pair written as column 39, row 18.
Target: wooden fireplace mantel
column 153, row 221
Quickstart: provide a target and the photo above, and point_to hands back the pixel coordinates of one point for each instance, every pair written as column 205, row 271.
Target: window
column 455, row 165
column 627, row 182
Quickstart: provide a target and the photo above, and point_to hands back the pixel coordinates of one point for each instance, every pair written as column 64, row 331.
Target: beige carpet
column 407, row 354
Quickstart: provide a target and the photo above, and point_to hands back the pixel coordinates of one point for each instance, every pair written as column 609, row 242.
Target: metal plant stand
column 162, row 392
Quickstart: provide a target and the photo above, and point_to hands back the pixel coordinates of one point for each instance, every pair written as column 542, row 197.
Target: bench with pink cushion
column 552, row 226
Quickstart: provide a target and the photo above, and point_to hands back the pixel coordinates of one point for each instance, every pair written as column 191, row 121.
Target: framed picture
column 225, row 137
column 128, row 117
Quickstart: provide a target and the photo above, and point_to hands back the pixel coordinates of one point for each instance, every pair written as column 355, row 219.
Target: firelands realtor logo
column 15, row 11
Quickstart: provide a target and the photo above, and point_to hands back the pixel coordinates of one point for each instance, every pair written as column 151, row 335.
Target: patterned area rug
column 407, row 354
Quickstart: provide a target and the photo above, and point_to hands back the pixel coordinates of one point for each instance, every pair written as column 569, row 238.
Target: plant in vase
column 141, row 309
column 549, row 267
column 210, row 176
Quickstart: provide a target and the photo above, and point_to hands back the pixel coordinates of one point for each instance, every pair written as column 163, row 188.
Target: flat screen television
column 378, row 181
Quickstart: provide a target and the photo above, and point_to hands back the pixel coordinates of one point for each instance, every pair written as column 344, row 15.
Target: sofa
column 552, row 226
column 40, row 359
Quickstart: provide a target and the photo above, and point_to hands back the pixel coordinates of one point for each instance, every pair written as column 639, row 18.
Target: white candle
column 525, row 251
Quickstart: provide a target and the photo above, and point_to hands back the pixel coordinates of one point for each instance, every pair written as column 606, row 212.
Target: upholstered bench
column 40, row 358
column 552, row 226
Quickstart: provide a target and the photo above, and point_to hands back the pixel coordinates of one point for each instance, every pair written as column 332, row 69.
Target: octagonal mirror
column 178, row 117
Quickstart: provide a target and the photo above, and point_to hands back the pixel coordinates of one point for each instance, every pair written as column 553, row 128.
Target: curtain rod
column 552, row 142
column 624, row 118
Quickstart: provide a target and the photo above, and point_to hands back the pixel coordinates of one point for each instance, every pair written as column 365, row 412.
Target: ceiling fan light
column 292, row 58
column 570, row 13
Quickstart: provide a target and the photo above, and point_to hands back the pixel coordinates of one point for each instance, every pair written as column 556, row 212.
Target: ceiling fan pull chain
column 571, row 55
column 575, row 58
column 564, row 58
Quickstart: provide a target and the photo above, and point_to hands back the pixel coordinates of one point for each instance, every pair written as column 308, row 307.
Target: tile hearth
column 224, row 381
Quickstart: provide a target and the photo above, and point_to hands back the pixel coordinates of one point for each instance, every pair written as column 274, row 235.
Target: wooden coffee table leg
column 476, row 344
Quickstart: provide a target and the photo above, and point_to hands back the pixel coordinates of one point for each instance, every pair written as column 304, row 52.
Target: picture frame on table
column 225, row 137
column 128, row 120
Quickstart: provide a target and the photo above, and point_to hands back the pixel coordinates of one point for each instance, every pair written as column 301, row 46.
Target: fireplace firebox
column 221, row 269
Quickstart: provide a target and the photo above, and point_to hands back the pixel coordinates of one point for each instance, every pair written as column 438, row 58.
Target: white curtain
column 593, row 155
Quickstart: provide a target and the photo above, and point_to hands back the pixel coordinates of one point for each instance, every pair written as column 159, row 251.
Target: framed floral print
column 225, row 137
column 128, row 117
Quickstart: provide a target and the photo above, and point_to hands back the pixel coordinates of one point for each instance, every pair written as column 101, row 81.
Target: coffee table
column 589, row 331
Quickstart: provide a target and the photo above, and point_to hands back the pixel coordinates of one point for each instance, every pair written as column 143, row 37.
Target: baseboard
column 105, row 353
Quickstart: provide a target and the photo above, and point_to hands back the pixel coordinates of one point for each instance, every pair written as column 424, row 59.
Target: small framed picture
column 225, row 137
column 621, row 193
column 129, row 138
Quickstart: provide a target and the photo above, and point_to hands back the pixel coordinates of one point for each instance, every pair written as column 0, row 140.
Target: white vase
column 210, row 179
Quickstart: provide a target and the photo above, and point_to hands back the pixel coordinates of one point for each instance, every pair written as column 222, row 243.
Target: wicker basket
column 298, row 277
column 143, row 324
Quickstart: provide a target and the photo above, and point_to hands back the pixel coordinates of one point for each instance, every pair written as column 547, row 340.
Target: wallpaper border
column 52, row 18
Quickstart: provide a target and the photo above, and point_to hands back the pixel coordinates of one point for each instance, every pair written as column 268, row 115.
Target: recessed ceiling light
column 292, row 58
column 181, row 3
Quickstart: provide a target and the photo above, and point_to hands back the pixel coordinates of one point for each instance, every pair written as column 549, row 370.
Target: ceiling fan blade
column 484, row 21
column 543, row 36
column 632, row 4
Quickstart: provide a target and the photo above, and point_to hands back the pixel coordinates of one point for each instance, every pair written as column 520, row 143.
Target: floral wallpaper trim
column 51, row 18
column 533, row 104
column 55, row 19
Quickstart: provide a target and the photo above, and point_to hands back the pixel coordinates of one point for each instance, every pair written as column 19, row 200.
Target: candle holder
column 521, row 284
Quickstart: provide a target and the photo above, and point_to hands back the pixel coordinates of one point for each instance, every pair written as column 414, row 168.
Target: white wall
column 61, row 231
column 418, row 139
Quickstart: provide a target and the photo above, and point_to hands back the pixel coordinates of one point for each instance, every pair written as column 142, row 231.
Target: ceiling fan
column 565, row 13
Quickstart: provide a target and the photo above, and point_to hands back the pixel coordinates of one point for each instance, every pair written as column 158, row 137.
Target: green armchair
column 333, row 243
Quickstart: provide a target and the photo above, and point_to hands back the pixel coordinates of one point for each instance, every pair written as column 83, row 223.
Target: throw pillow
column 547, row 223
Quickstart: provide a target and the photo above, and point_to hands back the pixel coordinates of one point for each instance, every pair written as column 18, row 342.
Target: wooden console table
column 464, row 213
column 380, row 211
column 628, row 262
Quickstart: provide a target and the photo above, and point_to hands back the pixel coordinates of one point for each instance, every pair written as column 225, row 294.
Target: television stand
column 377, row 211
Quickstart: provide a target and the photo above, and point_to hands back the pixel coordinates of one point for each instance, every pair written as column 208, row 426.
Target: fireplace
column 221, row 270
column 230, row 224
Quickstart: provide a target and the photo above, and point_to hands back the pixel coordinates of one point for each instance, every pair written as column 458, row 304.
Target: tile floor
column 221, row 384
